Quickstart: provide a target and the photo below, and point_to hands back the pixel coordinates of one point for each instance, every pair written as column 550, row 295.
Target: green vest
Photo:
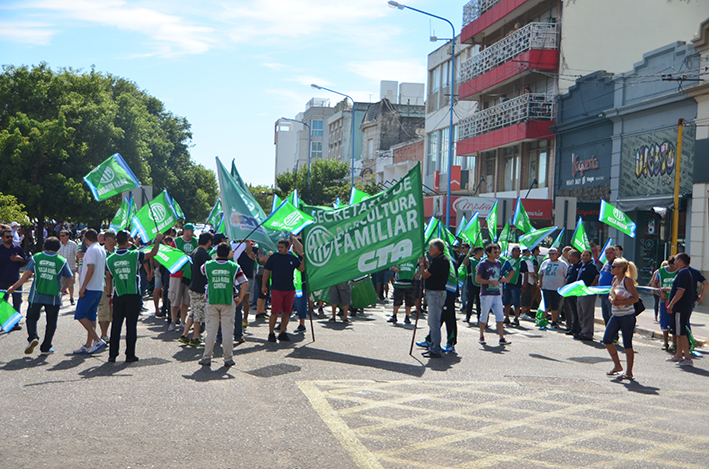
column 473, row 270
column 188, row 247
column 666, row 279
column 220, row 278
column 47, row 268
column 124, row 270
column 405, row 276
column 515, row 264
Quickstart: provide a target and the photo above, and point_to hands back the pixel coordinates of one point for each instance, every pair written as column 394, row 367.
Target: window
column 436, row 79
column 316, row 150
column 370, row 148
column 316, row 125
column 432, row 157
column 537, row 163
column 490, row 161
column 511, row 165
column 445, row 73
column 444, row 150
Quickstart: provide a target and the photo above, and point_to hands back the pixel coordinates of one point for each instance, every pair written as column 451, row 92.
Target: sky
column 232, row 68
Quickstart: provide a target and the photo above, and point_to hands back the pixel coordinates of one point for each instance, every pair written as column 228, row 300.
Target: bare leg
column 90, row 327
column 183, row 312
column 195, row 331
column 554, row 315
column 501, row 329
column 157, row 294
column 408, row 311
column 683, row 347
column 617, row 367
column 188, row 324
column 630, row 358
column 272, row 322
column 396, row 310
column 104, row 327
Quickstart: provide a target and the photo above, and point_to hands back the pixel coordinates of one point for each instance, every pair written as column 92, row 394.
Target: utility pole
column 678, row 167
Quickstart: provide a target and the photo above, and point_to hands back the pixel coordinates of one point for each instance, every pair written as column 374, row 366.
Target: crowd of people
column 216, row 290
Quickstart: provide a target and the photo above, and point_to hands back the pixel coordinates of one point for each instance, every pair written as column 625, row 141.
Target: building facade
column 340, row 129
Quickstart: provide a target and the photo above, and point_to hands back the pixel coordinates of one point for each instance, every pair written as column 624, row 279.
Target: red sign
column 537, row 209
column 579, row 166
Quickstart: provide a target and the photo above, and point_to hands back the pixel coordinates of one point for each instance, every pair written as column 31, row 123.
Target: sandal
column 628, row 377
column 614, row 371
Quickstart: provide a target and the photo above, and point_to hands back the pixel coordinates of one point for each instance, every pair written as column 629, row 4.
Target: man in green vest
column 46, row 290
column 473, row 288
column 178, row 292
column 667, row 276
column 403, row 290
column 123, row 280
column 512, row 293
column 222, row 276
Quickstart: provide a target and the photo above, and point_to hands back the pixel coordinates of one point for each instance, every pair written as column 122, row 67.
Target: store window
column 537, row 163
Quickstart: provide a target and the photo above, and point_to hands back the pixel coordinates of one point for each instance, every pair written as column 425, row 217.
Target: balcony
column 533, row 47
column 526, row 117
column 482, row 18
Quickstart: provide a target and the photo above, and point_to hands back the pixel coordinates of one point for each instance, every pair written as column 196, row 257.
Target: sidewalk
column 647, row 326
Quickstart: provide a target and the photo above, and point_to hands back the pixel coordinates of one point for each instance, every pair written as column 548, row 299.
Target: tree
column 11, row 211
column 57, row 126
column 328, row 181
column 263, row 195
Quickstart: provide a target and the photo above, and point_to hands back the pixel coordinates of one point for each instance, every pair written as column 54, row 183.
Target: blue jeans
column 435, row 299
column 625, row 324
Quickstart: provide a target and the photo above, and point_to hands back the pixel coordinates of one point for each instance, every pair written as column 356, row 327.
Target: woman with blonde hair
column 623, row 296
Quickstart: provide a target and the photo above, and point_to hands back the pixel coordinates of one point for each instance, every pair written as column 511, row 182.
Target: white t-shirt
column 95, row 255
column 554, row 274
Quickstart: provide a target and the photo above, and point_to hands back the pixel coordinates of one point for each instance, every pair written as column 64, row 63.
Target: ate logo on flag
column 293, row 218
column 107, row 176
column 157, row 213
column 617, row 214
column 319, row 246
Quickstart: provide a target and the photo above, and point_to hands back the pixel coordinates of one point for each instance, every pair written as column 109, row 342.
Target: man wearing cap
column 552, row 276
column 105, row 310
column 178, row 291
column 12, row 257
column 16, row 238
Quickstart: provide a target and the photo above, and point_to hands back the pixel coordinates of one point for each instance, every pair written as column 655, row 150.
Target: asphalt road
column 353, row 398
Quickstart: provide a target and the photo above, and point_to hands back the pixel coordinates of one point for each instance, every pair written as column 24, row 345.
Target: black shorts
column 528, row 296
column 402, row 295
column 679, row 323
column 259, row 286
column 551, row 300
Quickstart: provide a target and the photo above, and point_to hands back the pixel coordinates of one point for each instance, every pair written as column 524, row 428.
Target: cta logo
column 617, row 214
column 108, row 176
column 318, row 246
column 293, row 219
column 374, row 260
column 157, row 213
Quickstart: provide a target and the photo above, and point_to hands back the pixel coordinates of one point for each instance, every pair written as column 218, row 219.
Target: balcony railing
column 531, row 36
column 526, row 107
column 474, row 8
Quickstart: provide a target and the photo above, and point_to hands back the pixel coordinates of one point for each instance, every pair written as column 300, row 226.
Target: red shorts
column 282, row 301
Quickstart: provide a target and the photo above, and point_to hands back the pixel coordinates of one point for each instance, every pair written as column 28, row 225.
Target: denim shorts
column 512, row 295
column 87, row 306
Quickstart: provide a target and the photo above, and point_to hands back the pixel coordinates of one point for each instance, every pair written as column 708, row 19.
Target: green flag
column 172, row 259
column 521, row 220
column 215, row 215
column 357, row 196
column 8, row 316
column 375, row 234
column 579, row 240
column 461, row 226
column 472, row 232
column 503, row 240
column 275, row 203
column 431, row 230
column 240, row 223
column 579, row 288
column 157, row 216
column 178, row 210
column 122, row 218
column 534, row 238
column 237, row 177
column 288, row 218
column 611, row 216
column 110, row 178
column 492, row 222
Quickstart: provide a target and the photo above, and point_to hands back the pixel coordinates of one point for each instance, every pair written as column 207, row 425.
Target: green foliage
column 263, row 195
column 57, row 126
column 328, row 181
column 11, row 211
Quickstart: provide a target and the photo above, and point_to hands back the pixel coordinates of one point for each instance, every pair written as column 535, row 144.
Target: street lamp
column 310, row 132
column 317, row 87
column 394, row 4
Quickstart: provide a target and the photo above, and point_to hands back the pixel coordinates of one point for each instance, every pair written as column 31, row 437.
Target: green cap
column 188, row 226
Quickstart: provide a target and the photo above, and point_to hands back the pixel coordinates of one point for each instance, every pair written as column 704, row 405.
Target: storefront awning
column 646, row 203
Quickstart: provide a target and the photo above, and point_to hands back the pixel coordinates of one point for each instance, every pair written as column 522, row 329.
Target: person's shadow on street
column 205, row 373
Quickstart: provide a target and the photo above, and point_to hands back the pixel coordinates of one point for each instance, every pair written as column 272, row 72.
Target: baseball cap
column 14, row 224
column 188, row 226
column 553, row 250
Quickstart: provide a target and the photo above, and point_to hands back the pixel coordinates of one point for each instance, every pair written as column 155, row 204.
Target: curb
column 654, row 334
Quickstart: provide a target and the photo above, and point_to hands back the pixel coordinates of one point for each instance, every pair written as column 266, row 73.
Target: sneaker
column 97, row 347
column 345, row 321
column 481, row 341
column 205, row 362
column 84, row 350
column 685, row 362
column 424, row 344
column 332, row 320
column 672, row 348
column 448, row 348
column 552, row 326
column 184, row 340
column 504, row 341
column 106, row 339
column 515, row 322
column 283, row 337
column 526, row 317
column 407, row 320
column 673, row 358
column 228, row 363
column 507, row 321
column 171, row 327
column 665, row 346
column 196, row 343
column 300, row 328
column 132, row 359
column 244, row 324
column 111, row 359
column 30, row 347
column 71, row 301
column 48, row 352
column 431, row 355
column 272, row 337
column 240, row 340
column 393, row 319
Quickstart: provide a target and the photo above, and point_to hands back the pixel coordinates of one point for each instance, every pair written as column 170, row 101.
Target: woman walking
column 623, row 295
